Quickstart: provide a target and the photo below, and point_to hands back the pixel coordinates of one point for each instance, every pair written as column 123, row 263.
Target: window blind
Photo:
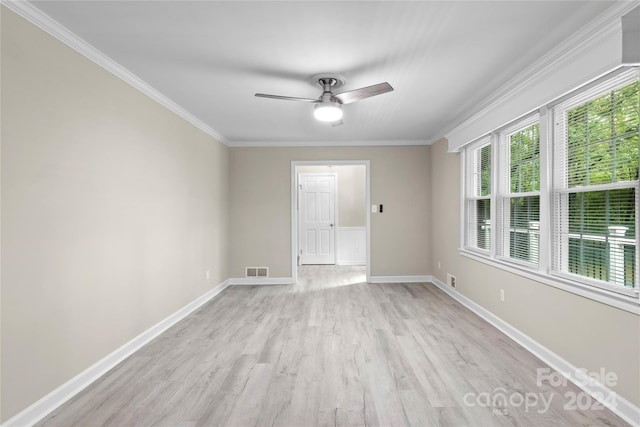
column 595, row 183
column 478, row 198
column 519, row 191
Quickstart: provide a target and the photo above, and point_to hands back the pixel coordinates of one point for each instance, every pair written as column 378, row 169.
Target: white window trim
column 560, row 186
column 468, row 195
column 613, row 295
column 503, row 188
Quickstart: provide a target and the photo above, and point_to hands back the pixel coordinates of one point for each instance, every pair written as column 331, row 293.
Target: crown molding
column 333, row 143
column 600, row 28
column 63, row 34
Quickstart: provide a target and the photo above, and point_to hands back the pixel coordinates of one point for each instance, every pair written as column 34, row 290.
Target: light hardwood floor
column 331, row 350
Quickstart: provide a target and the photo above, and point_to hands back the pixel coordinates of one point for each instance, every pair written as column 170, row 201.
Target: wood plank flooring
column 330, row 351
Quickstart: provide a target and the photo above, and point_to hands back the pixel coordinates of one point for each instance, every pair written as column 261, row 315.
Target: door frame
column 294, row 213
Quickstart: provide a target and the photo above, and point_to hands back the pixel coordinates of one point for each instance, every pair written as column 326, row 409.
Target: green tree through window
column 524, row 210
column 602, row 148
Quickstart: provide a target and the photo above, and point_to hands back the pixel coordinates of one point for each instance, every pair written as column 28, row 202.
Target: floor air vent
column 257, row 271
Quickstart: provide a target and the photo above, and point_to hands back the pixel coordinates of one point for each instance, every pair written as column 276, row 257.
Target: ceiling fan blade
column 363, row 92
column 337, row 123
column 286, row 98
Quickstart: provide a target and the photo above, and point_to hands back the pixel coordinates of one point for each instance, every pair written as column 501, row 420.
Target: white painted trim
column 368, row 218
column 66, row 391
column 462, row 236
column 294, row 216
column 603, row 27
column 623, row 408
column 240, row 281
column 333, row 143
column 614, row 299
column 545, row 162
column 399, row 279
column 294, row 223
column 60, row 32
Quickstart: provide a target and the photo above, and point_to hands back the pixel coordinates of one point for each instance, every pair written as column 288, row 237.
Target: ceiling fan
column 328, row 107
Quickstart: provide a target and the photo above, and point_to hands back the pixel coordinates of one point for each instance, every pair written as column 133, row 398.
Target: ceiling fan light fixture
column 328, row 111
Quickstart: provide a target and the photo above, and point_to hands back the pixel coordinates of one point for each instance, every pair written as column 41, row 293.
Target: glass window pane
column 599, row 163
column 483, row 224
column 602, row 235
column 599, row 119
column 626, row 110
column 524, row 232
column 577, row 126
column 626, row 161
column 602, row 139
column 485, row 170
column 576, row 169
column 524, row 151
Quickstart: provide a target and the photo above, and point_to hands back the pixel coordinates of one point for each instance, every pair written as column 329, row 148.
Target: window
column 557, row 193
column 595, row 189
column 519, row 191
column 478, row 198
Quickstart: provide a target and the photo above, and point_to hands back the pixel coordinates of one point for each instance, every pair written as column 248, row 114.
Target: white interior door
column 316, row 218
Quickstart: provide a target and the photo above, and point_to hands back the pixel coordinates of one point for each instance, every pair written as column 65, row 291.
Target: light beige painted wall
column 112, row 210
column 587, row 333
column 351, row 197
column 261, row 207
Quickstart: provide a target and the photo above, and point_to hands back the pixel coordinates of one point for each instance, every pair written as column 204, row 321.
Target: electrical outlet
column 502, row 295
column 451, row 280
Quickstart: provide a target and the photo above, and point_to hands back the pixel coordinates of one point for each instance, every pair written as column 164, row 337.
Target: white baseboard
column 399, row 279
column 66, row 391
column 261, row 281
column 620, row 406
column 34, row 413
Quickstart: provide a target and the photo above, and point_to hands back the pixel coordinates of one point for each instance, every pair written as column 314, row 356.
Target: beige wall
column 112, row 210
column 351, row 198
column 261, row 207
column 588, row 334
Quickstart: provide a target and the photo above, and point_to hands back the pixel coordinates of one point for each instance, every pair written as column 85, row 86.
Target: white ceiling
column 442, row 57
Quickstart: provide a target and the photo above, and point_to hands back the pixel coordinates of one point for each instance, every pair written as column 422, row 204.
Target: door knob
column 331, row 225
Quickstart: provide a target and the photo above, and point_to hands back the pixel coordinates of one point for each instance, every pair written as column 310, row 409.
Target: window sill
column 623, row 302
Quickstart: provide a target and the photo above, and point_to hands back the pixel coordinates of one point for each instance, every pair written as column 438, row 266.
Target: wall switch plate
column 502, row 295
column 207, row 274
column 374, row 208
column 438, row 265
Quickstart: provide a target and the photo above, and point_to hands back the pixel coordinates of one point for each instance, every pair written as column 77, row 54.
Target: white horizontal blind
column 478, row 197
column 595, row 184
column 519, row 191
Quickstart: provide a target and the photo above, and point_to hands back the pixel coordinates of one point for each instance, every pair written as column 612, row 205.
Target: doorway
column 330, row 220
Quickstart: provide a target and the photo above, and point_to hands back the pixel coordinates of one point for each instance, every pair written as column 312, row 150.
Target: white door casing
column 316, row 218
